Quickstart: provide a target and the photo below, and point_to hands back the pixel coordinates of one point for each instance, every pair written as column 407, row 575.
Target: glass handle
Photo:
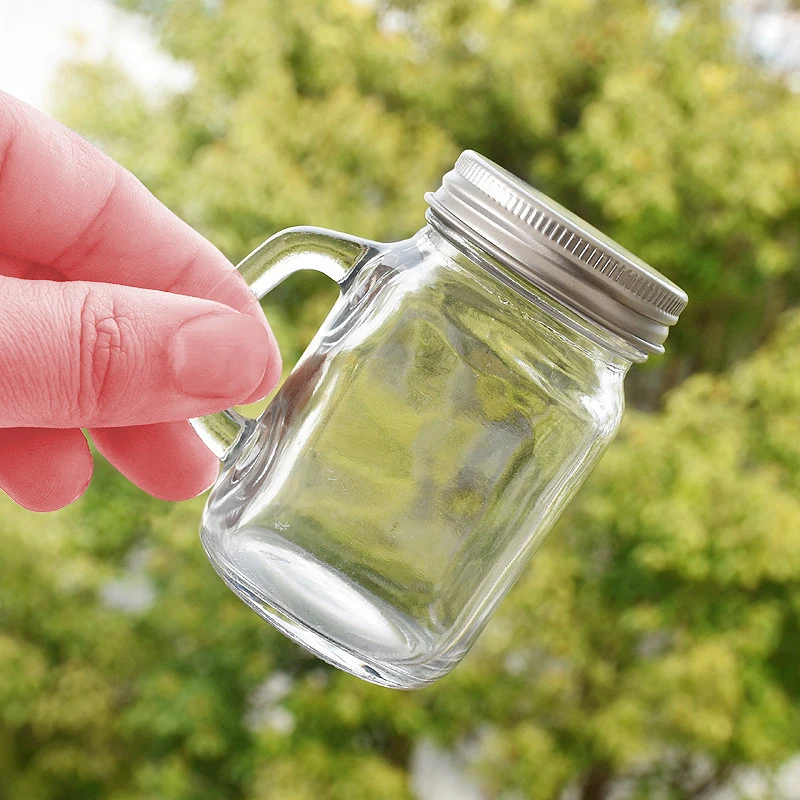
column 334, row 254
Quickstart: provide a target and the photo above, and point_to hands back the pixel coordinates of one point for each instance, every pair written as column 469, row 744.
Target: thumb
column 82, row 354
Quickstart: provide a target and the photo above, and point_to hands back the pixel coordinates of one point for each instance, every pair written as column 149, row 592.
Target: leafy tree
column 644, row 117
column 655, row 639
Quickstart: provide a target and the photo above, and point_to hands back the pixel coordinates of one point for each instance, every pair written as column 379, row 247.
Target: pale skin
column 115, row 317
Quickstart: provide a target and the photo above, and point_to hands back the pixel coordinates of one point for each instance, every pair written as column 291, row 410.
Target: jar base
column 364, row 635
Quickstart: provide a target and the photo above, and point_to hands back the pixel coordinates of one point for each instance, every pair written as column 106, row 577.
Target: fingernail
column 220, row 355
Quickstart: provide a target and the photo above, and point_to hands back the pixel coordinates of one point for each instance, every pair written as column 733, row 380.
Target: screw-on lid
column 557, row 251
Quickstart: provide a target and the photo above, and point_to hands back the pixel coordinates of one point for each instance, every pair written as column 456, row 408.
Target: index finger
column 66, row 205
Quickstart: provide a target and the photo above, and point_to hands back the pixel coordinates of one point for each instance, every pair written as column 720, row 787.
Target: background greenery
column 654, row 644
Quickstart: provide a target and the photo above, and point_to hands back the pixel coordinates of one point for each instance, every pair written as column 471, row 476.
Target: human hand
column 115, row 316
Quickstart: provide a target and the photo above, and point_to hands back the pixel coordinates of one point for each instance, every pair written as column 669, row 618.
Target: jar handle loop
column 334, row 254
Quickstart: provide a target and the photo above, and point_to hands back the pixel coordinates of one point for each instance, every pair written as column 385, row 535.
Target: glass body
column 421, row 449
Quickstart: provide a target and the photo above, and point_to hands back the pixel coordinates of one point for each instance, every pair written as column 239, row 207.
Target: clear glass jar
column 447, row 410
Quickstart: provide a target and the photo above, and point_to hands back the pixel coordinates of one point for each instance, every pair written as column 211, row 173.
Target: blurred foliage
column 644, row 117
column 655, row 640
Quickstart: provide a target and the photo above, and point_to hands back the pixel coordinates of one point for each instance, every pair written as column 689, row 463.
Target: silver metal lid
column 557, row 251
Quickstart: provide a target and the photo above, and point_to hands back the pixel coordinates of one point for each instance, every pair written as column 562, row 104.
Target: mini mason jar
column 460, row 391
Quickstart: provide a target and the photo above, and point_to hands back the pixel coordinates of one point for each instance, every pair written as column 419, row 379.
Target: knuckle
column 107, row 356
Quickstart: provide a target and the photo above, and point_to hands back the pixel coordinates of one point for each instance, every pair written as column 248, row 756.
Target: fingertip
column 44, row 469
column 167, row 460
column 221, row 355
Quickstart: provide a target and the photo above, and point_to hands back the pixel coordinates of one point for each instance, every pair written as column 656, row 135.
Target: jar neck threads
column 615, row 350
